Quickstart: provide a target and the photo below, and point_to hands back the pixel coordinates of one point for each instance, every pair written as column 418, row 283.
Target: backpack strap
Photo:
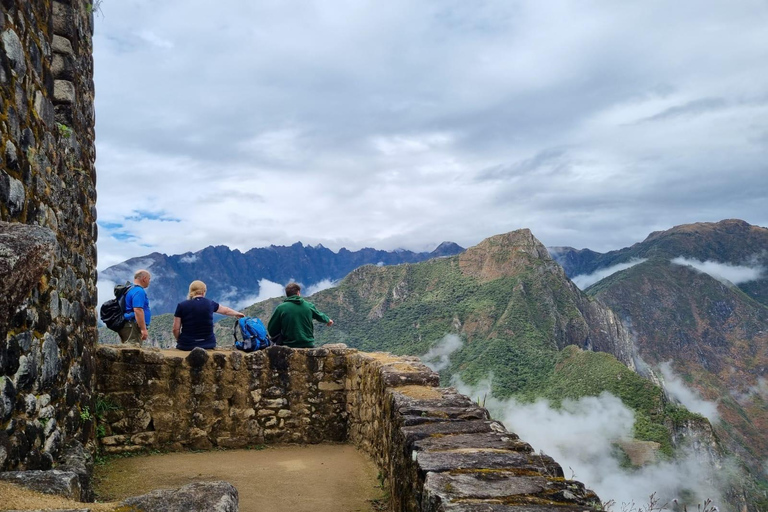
column 234, row 329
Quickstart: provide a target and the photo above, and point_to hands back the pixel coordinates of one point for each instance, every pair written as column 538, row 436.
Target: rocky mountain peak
column 503, row 255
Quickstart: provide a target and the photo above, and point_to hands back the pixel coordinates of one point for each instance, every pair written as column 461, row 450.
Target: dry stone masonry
column 47, row 190
column 436, row 449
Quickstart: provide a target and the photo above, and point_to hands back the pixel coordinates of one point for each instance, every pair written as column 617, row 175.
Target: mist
column 582, row 437
column 724, row 272
column 439, row 357
column 584, row 281
column 319, row 286
column 690, row 398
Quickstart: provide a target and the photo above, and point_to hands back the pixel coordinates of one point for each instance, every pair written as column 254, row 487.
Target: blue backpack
column 253, row 332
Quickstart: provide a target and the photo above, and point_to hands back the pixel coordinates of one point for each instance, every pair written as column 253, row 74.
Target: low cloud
column 438, row 357
column 584, row 281
column 191, row 258
column 267, row 290
column 581, row 436
column 319, row 286
column 724, row 272
column 760, row 389
column 687, row 396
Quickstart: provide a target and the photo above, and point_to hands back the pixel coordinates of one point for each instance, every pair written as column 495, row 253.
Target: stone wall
column 435, row 449
column 47, row 179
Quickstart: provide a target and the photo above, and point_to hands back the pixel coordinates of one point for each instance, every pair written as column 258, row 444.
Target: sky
column 402, row 124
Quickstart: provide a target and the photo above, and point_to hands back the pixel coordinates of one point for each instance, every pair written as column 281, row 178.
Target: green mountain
column 731, row 241
column 714, row 333
column 716, row 337
column 519, row 318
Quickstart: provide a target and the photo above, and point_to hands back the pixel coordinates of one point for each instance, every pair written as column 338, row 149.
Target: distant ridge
column 233, row 276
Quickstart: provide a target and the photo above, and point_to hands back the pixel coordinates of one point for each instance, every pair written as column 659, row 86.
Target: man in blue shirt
column 137, row 311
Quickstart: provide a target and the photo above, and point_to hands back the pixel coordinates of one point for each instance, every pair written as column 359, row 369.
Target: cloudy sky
column 406, row 123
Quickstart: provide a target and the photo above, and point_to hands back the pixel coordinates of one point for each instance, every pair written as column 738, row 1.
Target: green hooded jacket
column 293, row 319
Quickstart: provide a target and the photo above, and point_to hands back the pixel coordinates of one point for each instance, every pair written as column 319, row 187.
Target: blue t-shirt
column 196, row 323
column 136, row 297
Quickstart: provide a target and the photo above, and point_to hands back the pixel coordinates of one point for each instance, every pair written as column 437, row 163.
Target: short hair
column 141, row 273
column 292, row 289
column 196, row 288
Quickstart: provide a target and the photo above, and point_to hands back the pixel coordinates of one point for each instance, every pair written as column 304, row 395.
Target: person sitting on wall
column 137, row 312
column 193, row 319
column 291, row 321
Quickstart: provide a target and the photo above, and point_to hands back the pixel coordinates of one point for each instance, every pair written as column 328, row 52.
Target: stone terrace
column 437, row 450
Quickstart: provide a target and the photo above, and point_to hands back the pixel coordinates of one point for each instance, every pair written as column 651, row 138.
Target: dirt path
column 316, row 478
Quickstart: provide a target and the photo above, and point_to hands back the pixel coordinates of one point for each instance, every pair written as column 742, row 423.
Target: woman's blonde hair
column 196, row 289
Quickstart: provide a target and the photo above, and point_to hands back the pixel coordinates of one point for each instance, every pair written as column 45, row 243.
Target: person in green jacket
column 292, row 320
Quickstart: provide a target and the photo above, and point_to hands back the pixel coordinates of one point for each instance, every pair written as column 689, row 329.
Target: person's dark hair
column 292, row 289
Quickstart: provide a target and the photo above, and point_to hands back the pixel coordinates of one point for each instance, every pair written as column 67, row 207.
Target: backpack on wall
column 111, row 312
column 253, row 332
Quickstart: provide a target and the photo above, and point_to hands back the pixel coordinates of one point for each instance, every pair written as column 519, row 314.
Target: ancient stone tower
column 48, row 237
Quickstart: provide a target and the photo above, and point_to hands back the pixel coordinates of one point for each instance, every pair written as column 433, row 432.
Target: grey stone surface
column 518, row 463
column 196, row 497
column 498, row 507
column 482, row 486
column 51, row 361
column 11, row 158
column 12, row 193
column 488, row 440
column 63, row 91
column 62, row 45
column 25, row 253
column 44, row 109
column 14, row 51
column 60, row 483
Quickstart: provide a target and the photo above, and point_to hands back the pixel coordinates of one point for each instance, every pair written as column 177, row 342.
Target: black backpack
column 112, row 311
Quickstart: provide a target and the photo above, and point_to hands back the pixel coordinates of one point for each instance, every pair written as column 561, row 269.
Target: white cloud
column 724, row 272
column 438, row 357
column 373, row 116
column 581, row 436
column 690, row 398
column 267, row 290
column 584, row 281
column 191, row 258
column 319, row 286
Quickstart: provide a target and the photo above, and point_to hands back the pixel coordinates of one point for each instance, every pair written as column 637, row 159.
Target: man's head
column 292, row 289
column 141, row 278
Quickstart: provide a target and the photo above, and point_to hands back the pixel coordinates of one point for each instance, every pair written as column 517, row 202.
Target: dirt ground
column 314, row 478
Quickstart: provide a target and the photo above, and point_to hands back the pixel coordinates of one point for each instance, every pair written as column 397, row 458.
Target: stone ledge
column 53, row 481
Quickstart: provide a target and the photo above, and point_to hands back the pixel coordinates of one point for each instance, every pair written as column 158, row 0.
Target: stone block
column 60, row 483
column 198, row 496
column 63, row 91
column 330, row 386
column 14, row 52
column 522, row 464
column 232, row 442
column 64, row 20
column 62, row 45
column 487, row 440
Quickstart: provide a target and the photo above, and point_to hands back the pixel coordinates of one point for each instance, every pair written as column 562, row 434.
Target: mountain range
column 683, row 311
column 687, row 303
column 235, row 278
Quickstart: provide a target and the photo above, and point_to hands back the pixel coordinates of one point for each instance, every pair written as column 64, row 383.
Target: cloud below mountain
column 581, row 436
column 584, row 281
column 439, row 356
column 724, row 272
column 319, row 286
column 677, row 389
